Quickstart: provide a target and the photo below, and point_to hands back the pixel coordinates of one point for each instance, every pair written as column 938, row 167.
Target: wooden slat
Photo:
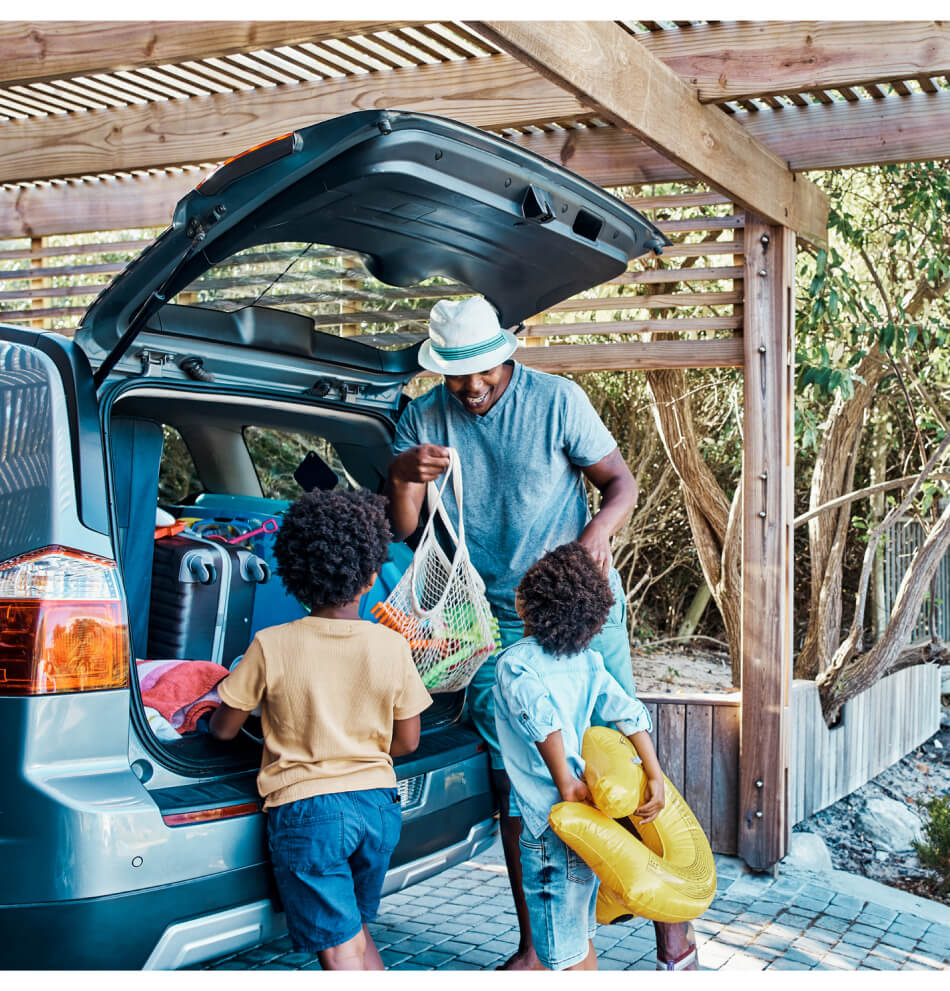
column 730, row 61
column 487, row 92
column 46, row 272
column 671, row 326
column 703, row 249
column 16, row 316
column 57, row 250
column 698, row 769
column 734, row 222
column 767, row 526
column 54, row 292
column 616, row 77
column 684, row 199
column 658, row 302
column 724, row 807
column 670, row 745
column 38, row 51
column 680, row 275
column 637, row 355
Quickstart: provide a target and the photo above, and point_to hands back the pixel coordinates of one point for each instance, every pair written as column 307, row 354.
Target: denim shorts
column 330, row 855
column 561, row 893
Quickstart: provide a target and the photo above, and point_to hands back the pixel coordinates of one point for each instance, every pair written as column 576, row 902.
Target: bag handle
column 454, row 471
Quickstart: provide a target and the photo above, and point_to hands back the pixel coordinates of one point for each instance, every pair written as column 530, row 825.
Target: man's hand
column 654, row 805
column 574, row 790
column 597, row 541
column 423, row 463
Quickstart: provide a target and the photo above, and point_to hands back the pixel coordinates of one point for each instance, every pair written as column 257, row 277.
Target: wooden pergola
column 104, row 126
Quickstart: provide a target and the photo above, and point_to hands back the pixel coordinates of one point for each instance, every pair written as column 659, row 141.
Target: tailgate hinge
column 153, row 361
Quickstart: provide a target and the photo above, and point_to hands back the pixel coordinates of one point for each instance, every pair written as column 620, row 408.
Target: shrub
column 935, row 851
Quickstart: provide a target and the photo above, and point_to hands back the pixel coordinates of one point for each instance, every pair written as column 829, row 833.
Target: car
column 187, row 397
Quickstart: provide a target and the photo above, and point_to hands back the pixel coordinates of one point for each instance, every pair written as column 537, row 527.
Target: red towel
column 181, row 686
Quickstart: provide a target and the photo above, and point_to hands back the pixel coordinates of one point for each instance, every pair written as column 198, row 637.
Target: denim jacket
column 537, row 693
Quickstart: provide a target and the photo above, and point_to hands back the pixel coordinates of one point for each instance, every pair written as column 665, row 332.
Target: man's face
column 480, row 391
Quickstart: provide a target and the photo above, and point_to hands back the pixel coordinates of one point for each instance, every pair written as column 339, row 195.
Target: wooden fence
column 904, row 539
column 876, row 728
column 697, row 743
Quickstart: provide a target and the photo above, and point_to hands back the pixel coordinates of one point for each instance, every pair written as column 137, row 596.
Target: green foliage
column 880, row 286
column 934, row 852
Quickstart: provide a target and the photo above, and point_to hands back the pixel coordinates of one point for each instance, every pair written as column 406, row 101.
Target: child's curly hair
column 564, row 599
column 329, row 545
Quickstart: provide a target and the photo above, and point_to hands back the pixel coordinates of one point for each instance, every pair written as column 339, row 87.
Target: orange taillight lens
column 62, row 624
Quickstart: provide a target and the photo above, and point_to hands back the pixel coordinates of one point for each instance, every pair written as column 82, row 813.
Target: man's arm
column 618, row 495
column 571, row 789
column 409, row 474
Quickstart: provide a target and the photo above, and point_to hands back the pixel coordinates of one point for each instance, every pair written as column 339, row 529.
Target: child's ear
column 370, row 583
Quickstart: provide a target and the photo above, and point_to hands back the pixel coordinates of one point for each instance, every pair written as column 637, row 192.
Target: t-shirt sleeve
column 243, row 688
column 411, row 695
column 407, row 431
column 586, row 439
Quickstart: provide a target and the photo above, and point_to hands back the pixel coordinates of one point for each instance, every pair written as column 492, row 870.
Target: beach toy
column 661, row 870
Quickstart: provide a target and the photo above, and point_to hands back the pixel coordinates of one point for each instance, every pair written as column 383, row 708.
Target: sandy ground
column 672, row 670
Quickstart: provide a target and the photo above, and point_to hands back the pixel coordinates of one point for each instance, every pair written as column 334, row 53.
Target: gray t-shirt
column 523, row 487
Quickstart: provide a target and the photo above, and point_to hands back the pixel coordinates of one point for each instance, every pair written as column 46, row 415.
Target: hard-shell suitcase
column 202, row 598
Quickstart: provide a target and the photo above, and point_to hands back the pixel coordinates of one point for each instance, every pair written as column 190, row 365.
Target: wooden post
column 43, row 282
column 769, row 315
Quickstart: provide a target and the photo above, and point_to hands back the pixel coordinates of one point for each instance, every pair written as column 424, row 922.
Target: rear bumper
column 224, row 913
column 237, row 929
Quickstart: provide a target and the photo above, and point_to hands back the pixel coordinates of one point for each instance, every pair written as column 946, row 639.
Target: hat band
column 472, row 351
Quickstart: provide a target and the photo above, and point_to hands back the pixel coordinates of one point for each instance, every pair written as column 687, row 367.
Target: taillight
column 62, row 624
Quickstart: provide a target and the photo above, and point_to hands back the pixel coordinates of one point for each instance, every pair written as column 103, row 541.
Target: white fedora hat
column 465, row 337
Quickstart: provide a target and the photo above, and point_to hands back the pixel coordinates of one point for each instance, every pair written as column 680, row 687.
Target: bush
column 935, row 852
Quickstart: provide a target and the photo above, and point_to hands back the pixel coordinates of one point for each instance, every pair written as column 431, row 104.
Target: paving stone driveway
column 463, row 919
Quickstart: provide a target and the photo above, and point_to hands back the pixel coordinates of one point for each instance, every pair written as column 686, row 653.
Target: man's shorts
column 561, row 894
column 612, row 643
column 330, row 856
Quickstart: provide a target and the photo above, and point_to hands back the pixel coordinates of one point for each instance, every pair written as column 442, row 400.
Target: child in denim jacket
column 339, row 698
column 549, row 688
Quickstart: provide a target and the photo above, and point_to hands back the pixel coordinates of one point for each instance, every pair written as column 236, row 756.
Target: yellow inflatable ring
column 668, row 874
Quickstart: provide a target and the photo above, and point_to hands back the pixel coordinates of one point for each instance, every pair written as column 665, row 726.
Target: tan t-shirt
column 329, row 690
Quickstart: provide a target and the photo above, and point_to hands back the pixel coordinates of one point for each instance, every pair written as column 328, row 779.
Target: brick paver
column 464, row 919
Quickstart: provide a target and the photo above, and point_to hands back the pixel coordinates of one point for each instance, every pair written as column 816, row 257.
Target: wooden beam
column 38, row 51
column 840, row 135
column 488, row 92
column 101, row 205
column 767, row 527
column 735, row 61
column 620, row 80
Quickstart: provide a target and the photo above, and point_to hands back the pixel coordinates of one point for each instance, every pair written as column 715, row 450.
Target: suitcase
column 202, row 598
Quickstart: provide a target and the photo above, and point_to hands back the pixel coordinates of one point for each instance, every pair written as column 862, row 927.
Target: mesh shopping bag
column 439, row 604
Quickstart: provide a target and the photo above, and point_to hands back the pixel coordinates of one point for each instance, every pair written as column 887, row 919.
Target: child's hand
column 654, row 805
column 574, row 790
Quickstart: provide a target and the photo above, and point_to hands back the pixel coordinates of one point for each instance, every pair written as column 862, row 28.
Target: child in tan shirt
column 339, row 698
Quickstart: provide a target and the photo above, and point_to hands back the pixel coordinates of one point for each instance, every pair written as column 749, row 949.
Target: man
column 526, row 441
